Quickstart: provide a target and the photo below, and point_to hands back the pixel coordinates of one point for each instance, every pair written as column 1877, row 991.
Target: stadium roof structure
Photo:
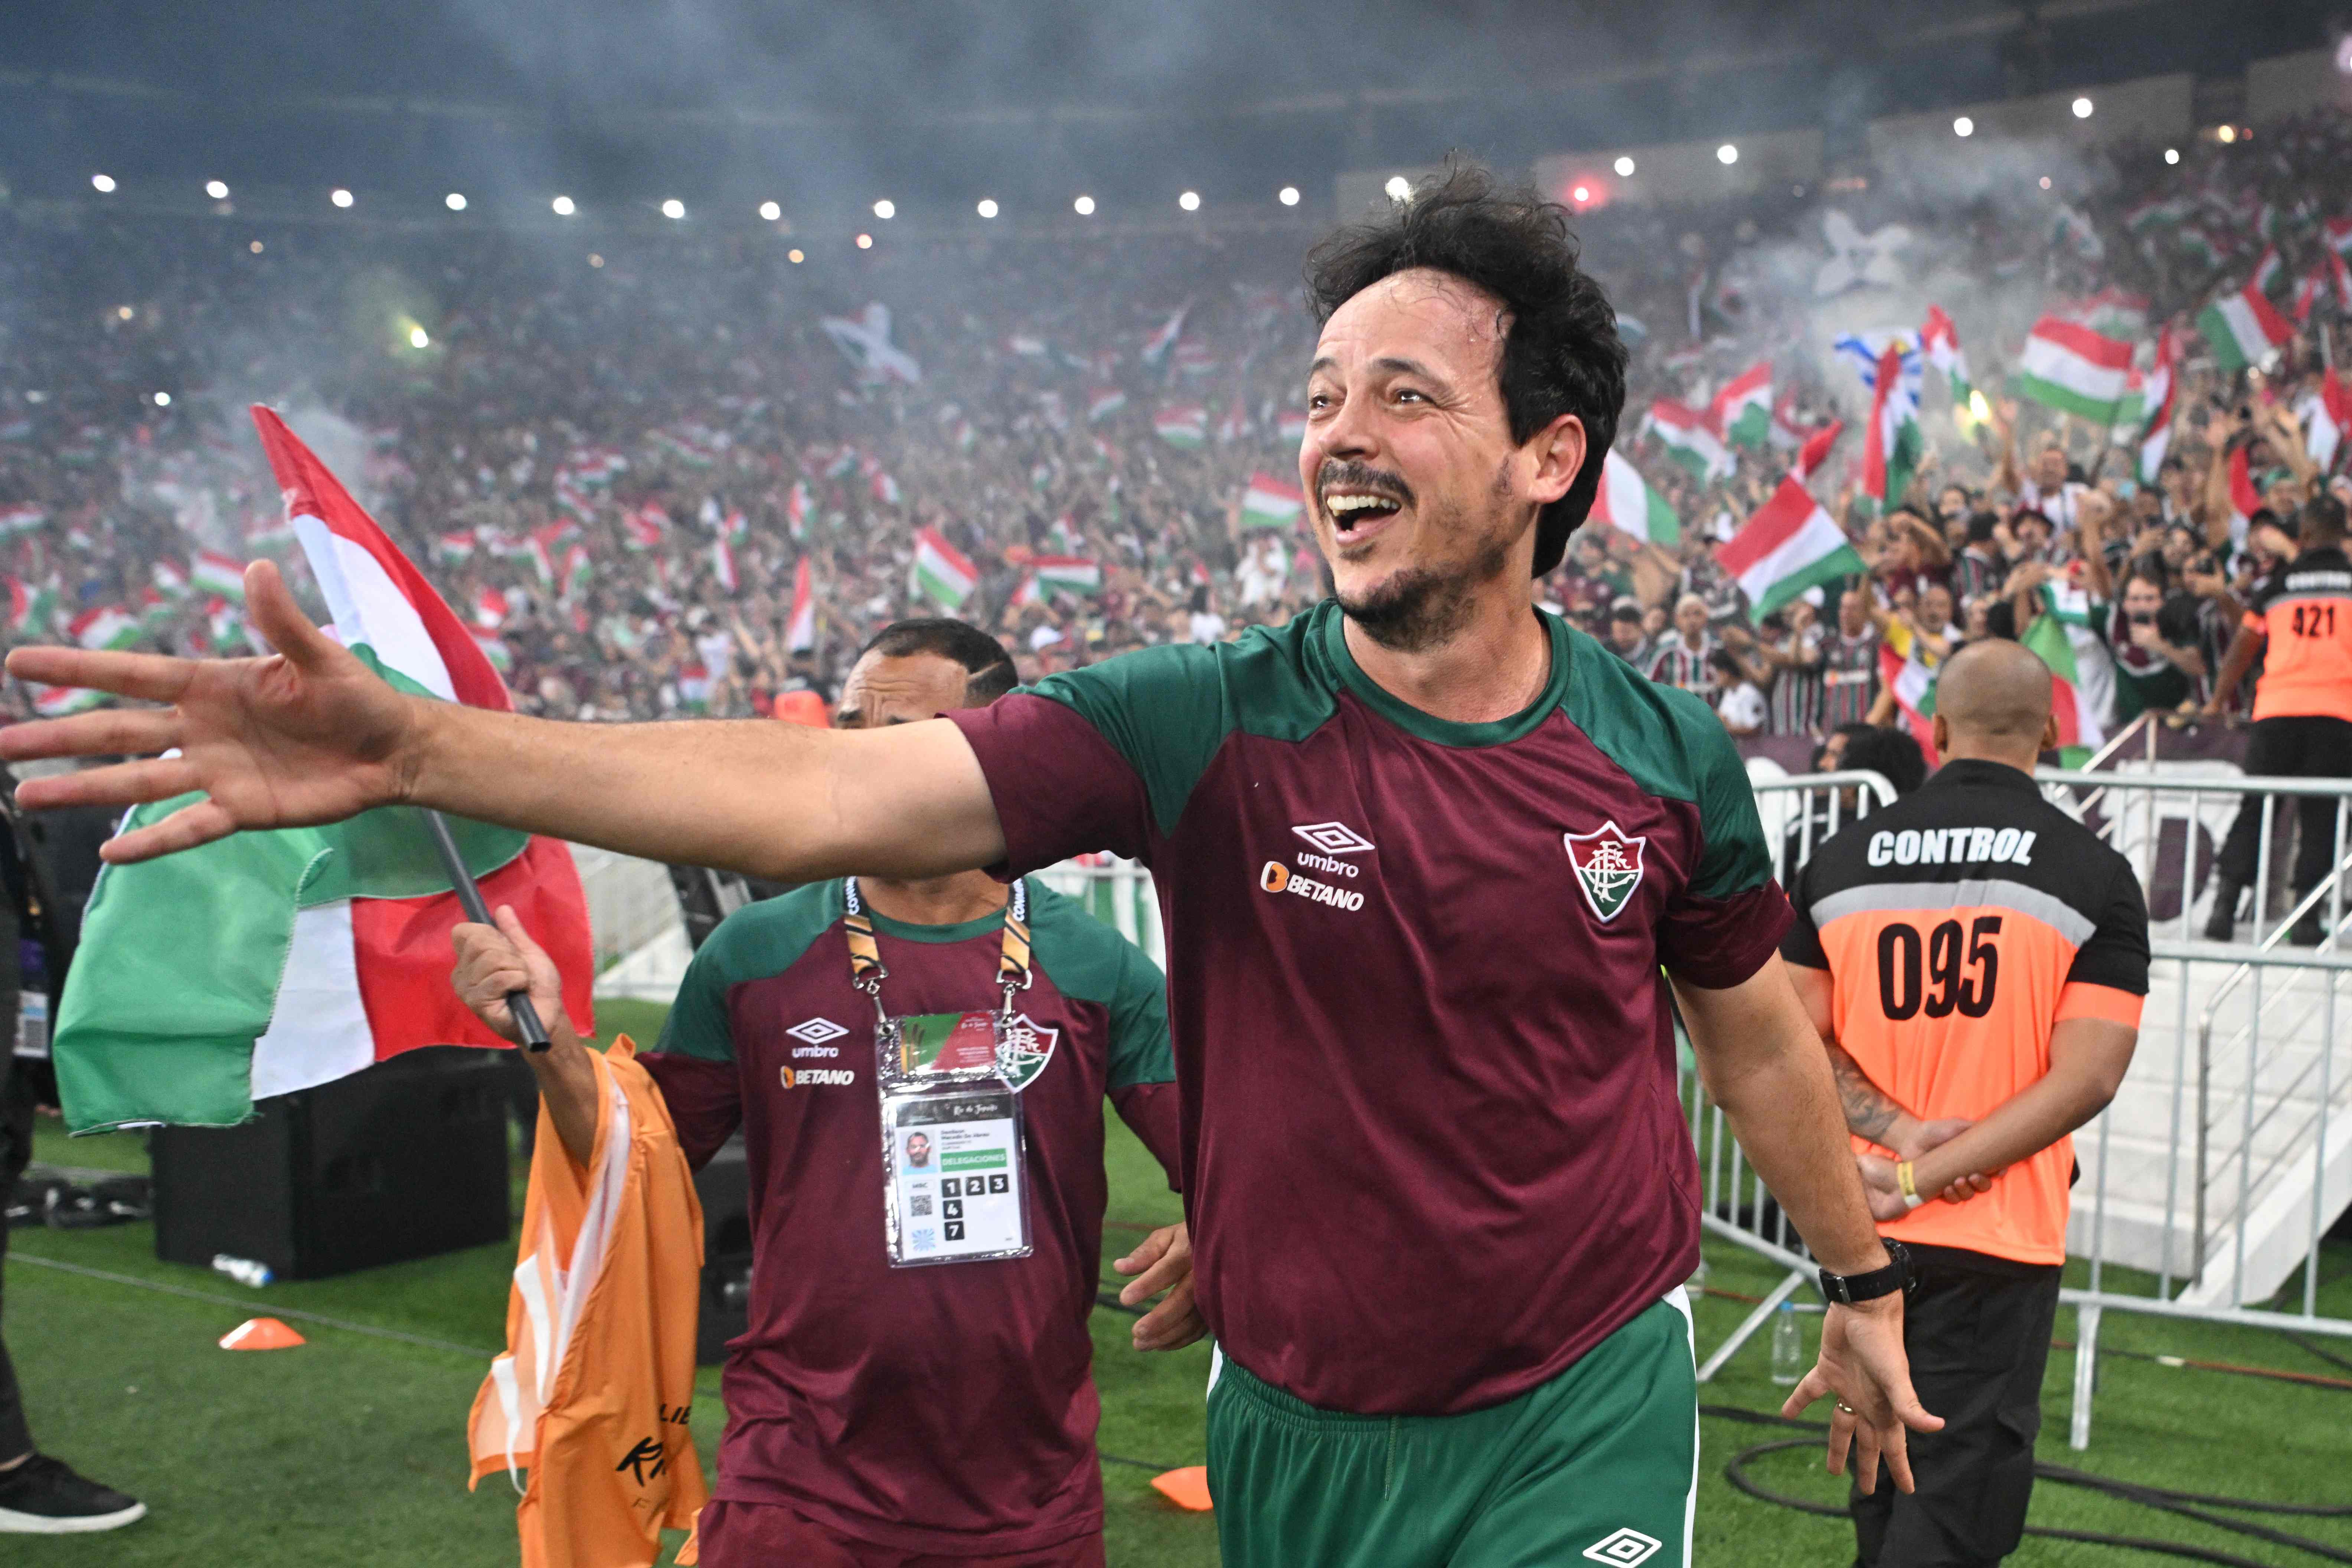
column 1026, row 100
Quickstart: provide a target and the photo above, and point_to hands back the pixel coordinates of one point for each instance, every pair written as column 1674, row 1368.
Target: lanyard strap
column 866, row 968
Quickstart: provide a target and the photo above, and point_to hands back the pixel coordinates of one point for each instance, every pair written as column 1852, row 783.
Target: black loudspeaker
column 724, row 1185
column 404, row 1160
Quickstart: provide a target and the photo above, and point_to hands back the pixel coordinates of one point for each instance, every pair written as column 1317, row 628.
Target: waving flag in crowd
column 800, row 630
column 274, row 961
column 1625, row 502
column 1742, row 411
column 1889, row 365
column 1940, row 341
column 1268, row 502
column 865, row 341
column 1791, row 544
column 2241, row 328
column 1687, row 440
column 1184, row 425
column 2062, row 637
column 2156, row 410
column 1903, row 670
column 2073, row 369
column 942, row 571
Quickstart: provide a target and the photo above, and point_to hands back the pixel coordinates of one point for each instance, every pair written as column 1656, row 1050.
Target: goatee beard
column 1418, row 608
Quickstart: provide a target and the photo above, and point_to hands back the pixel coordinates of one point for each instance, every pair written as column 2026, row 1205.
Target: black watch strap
column 1847, row 1289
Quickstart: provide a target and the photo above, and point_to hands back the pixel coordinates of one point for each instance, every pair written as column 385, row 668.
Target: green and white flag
column 1687, row 440
column 1625, row 502
column 2242, row 328
column 943, row 573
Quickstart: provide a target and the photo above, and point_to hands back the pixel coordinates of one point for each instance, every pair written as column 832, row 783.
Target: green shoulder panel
column 1672, row 746
column 755, row 941
column 1167, row 710
column 1088, row 960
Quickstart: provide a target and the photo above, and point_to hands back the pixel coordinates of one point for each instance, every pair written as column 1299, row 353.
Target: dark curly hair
column 1561, row 353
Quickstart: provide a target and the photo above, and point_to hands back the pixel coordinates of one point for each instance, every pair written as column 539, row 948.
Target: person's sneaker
column 45, row 1497
column 2222, row 924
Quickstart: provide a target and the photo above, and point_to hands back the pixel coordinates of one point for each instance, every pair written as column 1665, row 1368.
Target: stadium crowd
column 616, row 467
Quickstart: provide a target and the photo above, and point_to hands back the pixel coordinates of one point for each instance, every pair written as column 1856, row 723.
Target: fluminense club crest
column 1608, row 867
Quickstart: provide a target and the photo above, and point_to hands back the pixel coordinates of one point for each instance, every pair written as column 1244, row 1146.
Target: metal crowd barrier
column 2209, row 1182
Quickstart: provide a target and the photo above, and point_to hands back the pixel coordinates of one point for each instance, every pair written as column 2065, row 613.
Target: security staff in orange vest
column 2301, row 622
column 1976, row 960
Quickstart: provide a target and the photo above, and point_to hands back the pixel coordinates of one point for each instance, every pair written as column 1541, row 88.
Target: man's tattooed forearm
column 1868, row 1111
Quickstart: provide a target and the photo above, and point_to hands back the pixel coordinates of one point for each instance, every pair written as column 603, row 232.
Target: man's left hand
column 1163, row 1261
column 1864, row 1368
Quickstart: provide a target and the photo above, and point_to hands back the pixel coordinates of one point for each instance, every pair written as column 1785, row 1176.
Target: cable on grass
column 2188, row 1505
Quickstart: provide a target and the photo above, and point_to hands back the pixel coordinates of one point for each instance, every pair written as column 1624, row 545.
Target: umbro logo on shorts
column 816, row 1031
column 1624, row 1548
column 1333, row 837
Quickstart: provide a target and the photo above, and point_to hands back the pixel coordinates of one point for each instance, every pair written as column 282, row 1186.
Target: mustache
column 1336, row 475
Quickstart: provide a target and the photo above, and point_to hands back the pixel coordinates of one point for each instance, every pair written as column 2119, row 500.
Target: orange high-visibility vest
column 592, row 1394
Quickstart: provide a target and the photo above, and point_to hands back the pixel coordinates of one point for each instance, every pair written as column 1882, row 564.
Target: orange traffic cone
column 260, row 1334
column 1187, row 1487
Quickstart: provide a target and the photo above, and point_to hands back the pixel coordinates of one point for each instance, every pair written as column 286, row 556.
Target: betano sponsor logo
column 1277, row 878
column 1952, row 847
column 816, row 1077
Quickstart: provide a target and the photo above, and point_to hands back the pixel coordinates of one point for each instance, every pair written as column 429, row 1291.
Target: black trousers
column 16, row 1151
column 2299, row 746
column 1978, row 1334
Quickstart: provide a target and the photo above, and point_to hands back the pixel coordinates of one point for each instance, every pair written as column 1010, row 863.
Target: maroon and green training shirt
column 1432, row 1149
column 948, row 1409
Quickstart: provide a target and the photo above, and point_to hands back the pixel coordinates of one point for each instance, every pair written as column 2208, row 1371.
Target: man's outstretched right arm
column 313, row 735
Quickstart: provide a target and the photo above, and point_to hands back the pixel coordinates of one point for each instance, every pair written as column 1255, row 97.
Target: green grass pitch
column 352, row 1448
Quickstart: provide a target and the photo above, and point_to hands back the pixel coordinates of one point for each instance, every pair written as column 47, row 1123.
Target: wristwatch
column 1847, row 1289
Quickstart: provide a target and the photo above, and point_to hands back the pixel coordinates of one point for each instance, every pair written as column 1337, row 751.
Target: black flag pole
column 461, row 882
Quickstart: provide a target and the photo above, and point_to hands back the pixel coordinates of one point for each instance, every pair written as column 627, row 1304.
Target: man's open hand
column 1163, row 1261
column 309, row 735
column 1863, row 1367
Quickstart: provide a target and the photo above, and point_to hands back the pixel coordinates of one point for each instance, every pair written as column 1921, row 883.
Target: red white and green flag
column 1104, row 401
column 2242, row 328
column 1269, row 503
column 2069, row 367
column 455, row 546
column 2157, row 393
column 493, row 648
column 1790, row 545
column 1625, row 502
column 2055, row 640
column 2328, row 415
column 2338, row 231
column 1815, row 452
column 2245, row 499
column 20, row 519
column 1184, row 425
column 1903, row 672
column 645, row 529
column 1742, row 411
column 1066, row 574
column 274, row 961
column 32, row 609
column 57, row 702
column 799, row 631
column 170, row 577
column 104, row 626
column 943, row 573
column 2268, row 271
column 1940, row 341
column 577, row 570
column 722, row 565
column 797, row 505
column 213, row 573
column 1290, row 425
column 1685, row 434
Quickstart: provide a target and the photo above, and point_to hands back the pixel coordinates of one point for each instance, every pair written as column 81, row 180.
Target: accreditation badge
column 955, row 1175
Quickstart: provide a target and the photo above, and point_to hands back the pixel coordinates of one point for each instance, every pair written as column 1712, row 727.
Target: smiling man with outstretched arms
column 1422, row 856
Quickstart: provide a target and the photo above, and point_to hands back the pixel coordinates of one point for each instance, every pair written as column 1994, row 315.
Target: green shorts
column 1601, row 1463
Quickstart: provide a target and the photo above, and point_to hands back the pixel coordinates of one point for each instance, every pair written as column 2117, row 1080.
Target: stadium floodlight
column 162, row 400
column 864, row 242
column 124, row 312
column 1624, row 168
column 564, row 206
column 1727, row 154
column 340, row 196
column 2082, row 109
column 1398, row 188
column 987, row 206
column 2172, row 154
column 1083, row 206
column 1287, row 195
column 255, row 247
column 418, row 337
column 794, row 256
column 1964, row 126
column 673, row 209
column 2226, row 135
column 2343, row 53
column 455, row 201
column 885, row 210
column 594, row 259
column 216, row 189
column 2045, row 181
column 1581, row 195
column 1189, row 201
column 102, row 184
column 771, row 211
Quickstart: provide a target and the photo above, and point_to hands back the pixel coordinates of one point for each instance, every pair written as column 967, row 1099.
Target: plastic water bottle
column 246, row 1271
column 1788, row 1346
